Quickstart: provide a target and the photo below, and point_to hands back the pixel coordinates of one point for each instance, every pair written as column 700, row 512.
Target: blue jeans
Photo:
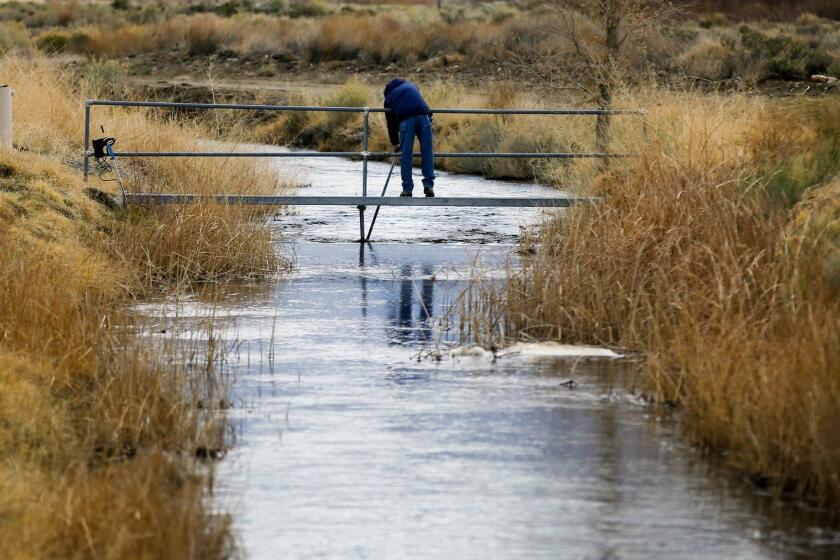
column 421, row 127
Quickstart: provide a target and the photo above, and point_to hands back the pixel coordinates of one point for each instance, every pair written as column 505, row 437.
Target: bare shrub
column 206, row 34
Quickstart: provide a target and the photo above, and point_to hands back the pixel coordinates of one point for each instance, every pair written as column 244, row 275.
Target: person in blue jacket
column 408, row 117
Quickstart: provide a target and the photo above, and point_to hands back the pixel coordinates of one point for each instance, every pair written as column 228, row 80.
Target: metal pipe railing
column 364, row 154
column 367, row 155
column 258, row 107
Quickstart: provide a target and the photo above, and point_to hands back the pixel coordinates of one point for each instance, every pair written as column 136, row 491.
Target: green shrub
column 294, row 123
column 103, row 78
column 307, row 9
column 477, row 135
column 352, row 94
column 14, row 38
column 233, row 7
column 52, row 42
column 199, row 44
column 200, row 8
column 786, row 181
column 782, row 57
column 58, row 41
column 716, row 19
column 274, row 7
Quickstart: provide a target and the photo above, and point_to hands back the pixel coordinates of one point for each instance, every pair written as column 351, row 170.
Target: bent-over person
column 409, row 117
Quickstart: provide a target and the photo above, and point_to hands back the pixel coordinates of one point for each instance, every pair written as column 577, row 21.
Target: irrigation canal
column 349, row 446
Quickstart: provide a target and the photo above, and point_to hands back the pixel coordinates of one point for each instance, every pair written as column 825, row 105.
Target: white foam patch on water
column 557, row 350
column 534, row 350
column 472, row 353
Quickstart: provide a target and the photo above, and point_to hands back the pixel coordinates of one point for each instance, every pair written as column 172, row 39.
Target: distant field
column 719, row 41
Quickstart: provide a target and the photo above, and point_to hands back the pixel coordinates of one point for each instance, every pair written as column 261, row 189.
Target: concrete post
column 6, row 117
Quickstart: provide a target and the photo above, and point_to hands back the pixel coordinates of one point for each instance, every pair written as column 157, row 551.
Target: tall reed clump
column 199, row 242
column 518, row 134
column 692, row 259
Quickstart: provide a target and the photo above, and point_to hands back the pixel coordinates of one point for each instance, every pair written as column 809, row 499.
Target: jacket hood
column 392, row 85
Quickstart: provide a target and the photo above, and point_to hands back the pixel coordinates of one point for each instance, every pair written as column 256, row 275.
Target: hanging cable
column 103, row 151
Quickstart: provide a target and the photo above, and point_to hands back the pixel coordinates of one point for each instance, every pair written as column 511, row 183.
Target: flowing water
column 352, row 441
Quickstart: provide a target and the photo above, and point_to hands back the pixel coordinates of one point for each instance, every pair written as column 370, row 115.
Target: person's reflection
column 406, row 317
column 363, row 279
column 427, row 296
column 410, row 322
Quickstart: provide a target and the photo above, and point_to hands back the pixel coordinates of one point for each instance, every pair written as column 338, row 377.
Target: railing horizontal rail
column 257, row 107
column 529, row 155
column 267, row 200
column 365, row 155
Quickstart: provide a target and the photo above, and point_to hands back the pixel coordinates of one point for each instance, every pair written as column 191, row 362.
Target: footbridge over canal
column 101, row 149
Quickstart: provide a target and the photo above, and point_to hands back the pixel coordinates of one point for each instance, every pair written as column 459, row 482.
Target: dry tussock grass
column 199, row 243
column 374, row 38
column 130, row 39
column 689, row 260
column 151, row 509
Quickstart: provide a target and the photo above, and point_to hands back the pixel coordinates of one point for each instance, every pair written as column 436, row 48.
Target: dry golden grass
column 690, row 259
column 204, row 242
column 375, row 38
column 199, row 242
column 98, row 433
column 148, row 507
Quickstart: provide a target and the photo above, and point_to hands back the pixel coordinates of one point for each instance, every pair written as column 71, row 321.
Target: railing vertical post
column 365, row 154
column 85, row 157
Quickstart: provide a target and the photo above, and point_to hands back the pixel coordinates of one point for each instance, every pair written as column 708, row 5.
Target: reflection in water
column 411, row 318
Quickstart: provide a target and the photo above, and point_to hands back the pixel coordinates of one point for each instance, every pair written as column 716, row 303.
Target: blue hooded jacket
column 404, row 100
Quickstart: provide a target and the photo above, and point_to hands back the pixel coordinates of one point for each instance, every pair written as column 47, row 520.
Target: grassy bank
column 716, row 256
column 100, row 436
